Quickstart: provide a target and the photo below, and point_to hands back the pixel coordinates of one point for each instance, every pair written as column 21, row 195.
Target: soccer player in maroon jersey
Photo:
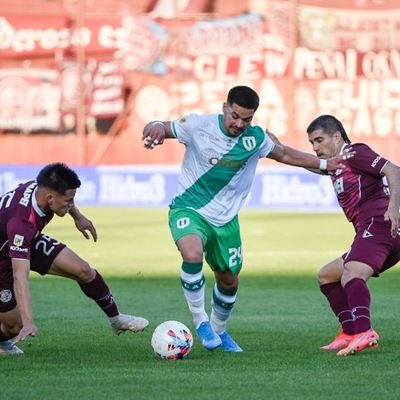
column 24, row 212
column 368, row 191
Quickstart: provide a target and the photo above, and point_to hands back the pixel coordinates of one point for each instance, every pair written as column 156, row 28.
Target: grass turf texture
column 280, row 320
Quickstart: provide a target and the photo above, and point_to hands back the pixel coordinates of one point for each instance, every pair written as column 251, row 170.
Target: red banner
column 303, row 60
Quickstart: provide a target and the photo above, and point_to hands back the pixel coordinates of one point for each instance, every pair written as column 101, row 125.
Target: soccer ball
column 172, row 340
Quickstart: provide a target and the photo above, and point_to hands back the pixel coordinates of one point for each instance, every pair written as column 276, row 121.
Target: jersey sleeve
column 184, row 127
column 20, row 234
column 267, row 147
column 366, row 161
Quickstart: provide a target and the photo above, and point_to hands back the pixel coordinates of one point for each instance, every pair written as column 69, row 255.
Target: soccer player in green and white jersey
column 222, row 152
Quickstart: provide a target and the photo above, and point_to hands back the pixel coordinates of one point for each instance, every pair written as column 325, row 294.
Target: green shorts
column 222, row 244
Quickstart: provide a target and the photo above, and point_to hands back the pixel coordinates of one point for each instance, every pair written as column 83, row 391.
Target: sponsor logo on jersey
column 24, row 201
column 249, row 142
column 367, row 234
column 338, row 186
column 373, row 165
column 5, row 296
column 18, row 240
column 19, row 249
column 227, row 162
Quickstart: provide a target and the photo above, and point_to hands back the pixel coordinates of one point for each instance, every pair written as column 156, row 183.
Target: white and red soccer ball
column 172, row 340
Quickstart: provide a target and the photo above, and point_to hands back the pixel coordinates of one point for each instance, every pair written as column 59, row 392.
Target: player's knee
column 324, row 277
column 85, row 272
column 193, row 256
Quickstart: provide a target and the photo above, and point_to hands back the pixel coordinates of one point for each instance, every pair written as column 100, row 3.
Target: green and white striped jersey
column 217, row 170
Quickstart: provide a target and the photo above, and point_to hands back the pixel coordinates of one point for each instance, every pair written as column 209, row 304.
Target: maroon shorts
column 43, row 252
column 374, row 246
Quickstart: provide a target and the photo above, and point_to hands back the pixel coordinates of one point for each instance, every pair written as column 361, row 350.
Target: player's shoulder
column 357, row 146
column 188, row 118
column 257, row 132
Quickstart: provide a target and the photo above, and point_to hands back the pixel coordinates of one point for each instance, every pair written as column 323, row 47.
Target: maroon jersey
column 21, row 220
column 359, row 187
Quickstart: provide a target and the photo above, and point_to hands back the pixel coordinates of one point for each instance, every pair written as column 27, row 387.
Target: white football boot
column 123, row 323
column 7, row 347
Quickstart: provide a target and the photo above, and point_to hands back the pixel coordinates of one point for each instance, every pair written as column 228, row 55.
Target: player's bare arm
column 392, row 173
column 275, row 139
column 83, row 224
column 155, row 132
column 23, row 297
column 288, row 155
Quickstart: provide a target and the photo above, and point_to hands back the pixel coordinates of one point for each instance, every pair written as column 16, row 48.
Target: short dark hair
column 243, row 96
column 329, row 124
column 58, row 177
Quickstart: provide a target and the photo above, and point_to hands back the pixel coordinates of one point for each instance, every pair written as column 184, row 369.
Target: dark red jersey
column 359, row 187
column 21, row 220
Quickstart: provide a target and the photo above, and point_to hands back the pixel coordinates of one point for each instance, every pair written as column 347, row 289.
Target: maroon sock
column 338, row 301
column 98, row 291
column 359, row 300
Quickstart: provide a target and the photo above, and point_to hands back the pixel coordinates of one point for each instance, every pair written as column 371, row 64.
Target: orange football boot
column 360, row 342
column 341, row 341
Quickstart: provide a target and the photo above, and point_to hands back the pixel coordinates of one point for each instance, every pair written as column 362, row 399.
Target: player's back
column 17, row 212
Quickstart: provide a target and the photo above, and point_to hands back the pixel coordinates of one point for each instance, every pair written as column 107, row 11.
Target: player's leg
column 224, row 255
column 373, row 251
column 52, row 257
column 223, row 301
column 329, row 279
column 193, row 285
column 10, row 325
column 10, row 319
column 354, row 282
column 189, row 232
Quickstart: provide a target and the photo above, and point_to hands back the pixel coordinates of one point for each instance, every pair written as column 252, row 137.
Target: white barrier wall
column 154, row 186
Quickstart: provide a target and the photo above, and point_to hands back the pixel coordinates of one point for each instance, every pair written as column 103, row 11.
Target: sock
column 222, row 305
column 98, row 291
column 337, row 299
column 193, row 285
column 359, row 300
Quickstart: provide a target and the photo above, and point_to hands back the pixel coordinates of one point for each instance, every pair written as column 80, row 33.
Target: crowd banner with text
column 303, row 60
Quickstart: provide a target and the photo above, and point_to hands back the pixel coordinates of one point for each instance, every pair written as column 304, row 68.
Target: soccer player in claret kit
column 372, row 206
column 222, row 152
column 24, row 212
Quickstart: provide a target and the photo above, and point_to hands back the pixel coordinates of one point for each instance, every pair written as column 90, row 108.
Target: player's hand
column 153, row 134
column 336, row 162
column 392, row 215
column 83, row 225
column 26, row 331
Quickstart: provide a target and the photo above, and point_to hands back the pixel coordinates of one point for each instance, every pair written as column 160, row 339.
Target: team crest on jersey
column 18, row 240
column 249, row 142
column 5, row 296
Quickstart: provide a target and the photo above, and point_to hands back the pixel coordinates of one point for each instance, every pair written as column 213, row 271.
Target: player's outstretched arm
column 155, row 132
column 290, row 156
column 83, row 224
column 392, row 173
column 21, row 287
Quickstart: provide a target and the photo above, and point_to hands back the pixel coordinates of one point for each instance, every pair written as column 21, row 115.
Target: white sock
column 222, row 306
column 193, row 286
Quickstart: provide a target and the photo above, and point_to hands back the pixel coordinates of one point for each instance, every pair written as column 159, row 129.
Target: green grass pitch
column 281, row 319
